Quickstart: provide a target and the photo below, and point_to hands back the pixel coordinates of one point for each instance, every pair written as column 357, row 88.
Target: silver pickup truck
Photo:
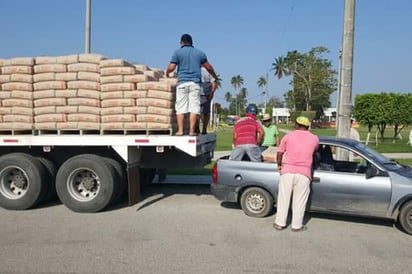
column 370, row 185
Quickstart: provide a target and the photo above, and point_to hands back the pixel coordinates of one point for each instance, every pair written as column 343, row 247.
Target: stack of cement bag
column 85, row 92
column 16, row 94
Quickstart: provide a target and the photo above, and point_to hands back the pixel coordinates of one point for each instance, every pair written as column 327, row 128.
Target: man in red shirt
column 248, row 134
column 294, row 158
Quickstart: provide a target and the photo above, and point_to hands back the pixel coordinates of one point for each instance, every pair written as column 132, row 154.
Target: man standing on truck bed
column 248, row 134
column 188, row 61
column 294, row 158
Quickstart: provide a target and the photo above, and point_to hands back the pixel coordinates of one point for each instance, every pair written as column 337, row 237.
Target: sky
column 239, row 37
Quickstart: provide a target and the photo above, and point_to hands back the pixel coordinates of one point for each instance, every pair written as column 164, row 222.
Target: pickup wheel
column 405, row 217
column 86, row 183
column 22, row 181
column 256, row 202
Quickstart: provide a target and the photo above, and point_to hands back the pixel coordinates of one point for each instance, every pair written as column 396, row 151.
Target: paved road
column 184, row 229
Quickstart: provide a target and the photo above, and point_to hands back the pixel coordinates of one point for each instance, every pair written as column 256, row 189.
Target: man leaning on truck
column 294, row 158
column 248, row 134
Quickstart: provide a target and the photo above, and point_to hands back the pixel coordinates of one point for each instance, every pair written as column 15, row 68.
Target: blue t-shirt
column 188, row 60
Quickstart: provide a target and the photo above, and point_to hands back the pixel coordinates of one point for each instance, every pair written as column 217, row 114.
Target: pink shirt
column 298, row 146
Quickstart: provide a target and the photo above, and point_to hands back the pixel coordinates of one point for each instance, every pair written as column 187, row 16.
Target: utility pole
column 266, row 91
column 345, row 94
column 87, row 35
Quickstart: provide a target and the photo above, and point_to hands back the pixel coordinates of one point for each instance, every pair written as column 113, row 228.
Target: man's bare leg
column 205, row 123
column 180, row 119
column 194, row 117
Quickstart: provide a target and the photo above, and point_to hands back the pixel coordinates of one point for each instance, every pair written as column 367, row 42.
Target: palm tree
column 219, row 81
column 228, row 97
column 280, row 67
column 237, row 82
column 262, row 81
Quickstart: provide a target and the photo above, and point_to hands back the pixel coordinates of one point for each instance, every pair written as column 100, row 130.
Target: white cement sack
column 45, row 60
column 89, row 93
column 118, row 118
column 158, row 126
column 17, row 69
column 83, row 102
column 154, row 102
column 135, row 125
column 83, row 117
column 67, row 59
column 91, row 58
column 114, row 63
column 49, row 68
column 111, row 110
column 153, row 118
column 117, row 87
column 5, row 94
column 18, row 77
column 89, row 76
column 5, row 110
column 161, row 94
column 17, row 86
column 44, row 110
column 66, row 93
column 49, row 85
column 18, row 118
column 118, row 103
column 111, row 79
column 135, row 94
column 45, row 126
column 160, row 111
column 153, row 85
column 112, row 95
column 50, row 102
column 67, row 109
column 117, row 71
column 82, row 84
column 66, row 76
column 22, row 94
column 17, row 103
column 47, row 93
column 135, row 110
column 4, row 78
column 51, row 117
column 25, row 61
column 90, row 110
column 16, row 126
column 138, row 78
column 47, row 76
column 88, row 67
column 22, row 111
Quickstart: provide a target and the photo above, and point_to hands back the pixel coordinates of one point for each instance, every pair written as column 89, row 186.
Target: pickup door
column 350, row 193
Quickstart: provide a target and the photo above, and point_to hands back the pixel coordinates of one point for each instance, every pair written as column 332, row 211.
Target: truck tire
column 86, row 183
column 23, row 182
column 405, row 217
column 120, row 187
column 256, row 202
column 51, row 171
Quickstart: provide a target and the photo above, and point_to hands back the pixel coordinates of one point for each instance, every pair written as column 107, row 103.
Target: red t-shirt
column 246, row 131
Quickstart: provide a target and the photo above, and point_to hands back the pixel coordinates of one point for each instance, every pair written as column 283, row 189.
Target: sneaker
column 303, row 228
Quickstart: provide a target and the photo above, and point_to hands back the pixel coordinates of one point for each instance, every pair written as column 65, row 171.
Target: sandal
column 179, row 134
column 193, row 134
column 278, row 227
column 303, row 228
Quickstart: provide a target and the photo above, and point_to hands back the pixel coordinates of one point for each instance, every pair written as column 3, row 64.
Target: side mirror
column 371, row 172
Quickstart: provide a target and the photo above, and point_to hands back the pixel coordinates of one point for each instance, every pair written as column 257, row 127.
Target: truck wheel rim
column 83, row 185
column 14, row 182
column 255, row 202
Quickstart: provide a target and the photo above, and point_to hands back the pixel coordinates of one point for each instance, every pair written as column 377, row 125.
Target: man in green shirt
column 271, row 132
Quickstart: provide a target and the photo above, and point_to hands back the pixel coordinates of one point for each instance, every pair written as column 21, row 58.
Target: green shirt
column 270, row 133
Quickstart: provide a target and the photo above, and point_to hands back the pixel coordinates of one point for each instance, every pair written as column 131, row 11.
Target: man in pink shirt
column 294, row 158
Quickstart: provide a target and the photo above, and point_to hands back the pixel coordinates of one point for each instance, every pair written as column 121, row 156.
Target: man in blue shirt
column 188, row 61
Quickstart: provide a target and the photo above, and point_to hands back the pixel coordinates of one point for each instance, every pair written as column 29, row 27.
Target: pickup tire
column 86, row 183
column 405, row 217
column 22, row 181
column 256, row 202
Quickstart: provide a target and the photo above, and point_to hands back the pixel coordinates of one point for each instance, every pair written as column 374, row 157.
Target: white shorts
column 188, row 98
